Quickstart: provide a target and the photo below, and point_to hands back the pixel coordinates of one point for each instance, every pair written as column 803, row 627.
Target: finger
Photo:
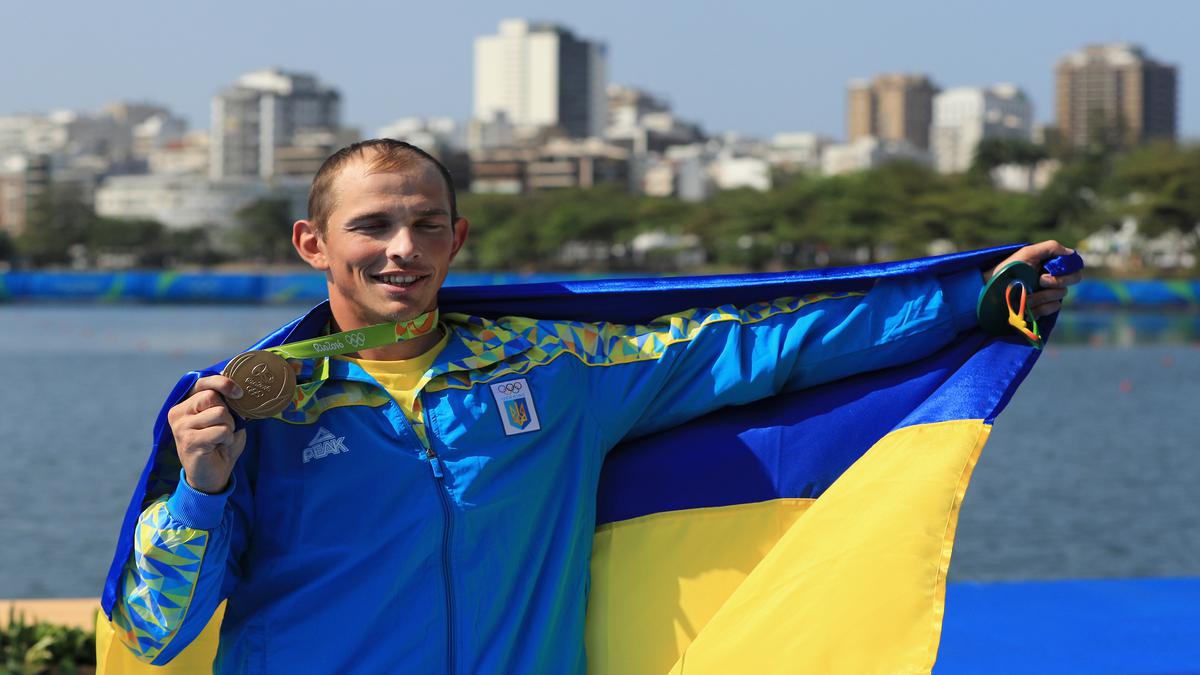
column 218, row 383
column 210, row 437
column 1033, row 254
column 1043, row 251
column 210, row 417
column 1042, row 297
column 204, row 400
column 1048, row 281
column 1047, row 309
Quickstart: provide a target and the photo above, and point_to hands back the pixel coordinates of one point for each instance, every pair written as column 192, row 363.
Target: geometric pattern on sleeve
column 155, row 600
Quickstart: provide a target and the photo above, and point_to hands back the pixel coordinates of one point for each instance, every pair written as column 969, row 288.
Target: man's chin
column 399, row 314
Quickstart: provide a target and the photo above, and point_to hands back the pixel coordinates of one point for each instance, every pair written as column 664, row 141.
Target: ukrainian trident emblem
column 518, row 412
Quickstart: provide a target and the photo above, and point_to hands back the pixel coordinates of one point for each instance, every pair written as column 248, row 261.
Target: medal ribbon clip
column 1022, row 319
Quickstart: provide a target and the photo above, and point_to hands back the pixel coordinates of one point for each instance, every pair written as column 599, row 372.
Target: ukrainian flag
column 808, row 533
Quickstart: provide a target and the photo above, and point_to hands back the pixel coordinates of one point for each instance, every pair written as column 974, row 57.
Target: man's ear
column 461, row 227
column 310, row 244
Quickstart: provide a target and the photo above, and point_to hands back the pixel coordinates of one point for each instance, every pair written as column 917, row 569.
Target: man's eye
column 430, row 224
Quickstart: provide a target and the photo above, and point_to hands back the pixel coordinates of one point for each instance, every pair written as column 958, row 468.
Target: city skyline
column 674, row 59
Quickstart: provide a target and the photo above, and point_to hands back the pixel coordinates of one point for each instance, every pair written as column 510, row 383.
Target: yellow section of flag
column 854, row 582
column 112, row 658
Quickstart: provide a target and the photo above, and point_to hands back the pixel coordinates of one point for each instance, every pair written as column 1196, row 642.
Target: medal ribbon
column 1021, row 318
column 379, row 335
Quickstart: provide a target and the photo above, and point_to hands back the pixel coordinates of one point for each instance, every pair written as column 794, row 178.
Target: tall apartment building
column 265, row 111
column 964, row 116
column 1115, row 92
column 539, row 75
column 23, row 178
column 642, row 122
column 892, row 107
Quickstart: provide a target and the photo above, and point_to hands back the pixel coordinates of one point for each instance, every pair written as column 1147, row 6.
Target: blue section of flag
column 798, row 444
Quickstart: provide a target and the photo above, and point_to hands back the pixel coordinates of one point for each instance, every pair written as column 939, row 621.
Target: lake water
column 1092, row 471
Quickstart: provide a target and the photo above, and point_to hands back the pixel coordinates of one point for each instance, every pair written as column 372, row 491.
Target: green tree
column 1071, row 205
column 862, row 211
column 501, row 233
column 601, row 216
column 57, row 220
column 141, row 239
column 1159, row 184
column 738, row 228
column 191, row 246
column 263, row 230
column 8, row 247
column 994, row 152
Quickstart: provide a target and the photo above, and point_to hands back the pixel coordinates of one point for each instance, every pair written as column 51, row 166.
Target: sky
column 753, row 66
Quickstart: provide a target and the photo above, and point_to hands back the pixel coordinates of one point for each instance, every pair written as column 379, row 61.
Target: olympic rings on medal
column 356, row 339
column 509, row 387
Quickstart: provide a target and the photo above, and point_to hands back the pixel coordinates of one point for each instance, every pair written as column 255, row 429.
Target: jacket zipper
column 439, row 477
column 439, row 480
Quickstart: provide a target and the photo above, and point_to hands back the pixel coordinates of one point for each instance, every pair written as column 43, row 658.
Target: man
column 428, row 505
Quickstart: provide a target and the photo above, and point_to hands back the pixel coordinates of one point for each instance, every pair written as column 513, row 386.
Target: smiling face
column 387, row 244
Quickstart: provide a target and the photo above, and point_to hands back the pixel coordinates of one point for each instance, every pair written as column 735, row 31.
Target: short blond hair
column 384, row 155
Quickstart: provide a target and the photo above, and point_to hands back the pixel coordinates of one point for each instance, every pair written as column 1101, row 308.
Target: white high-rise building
column 31, row 134
column 185, row 201
column 538, row 75
column 964, row 116
column 431, row 134
column 868, row 152
column 797, row 151
column 264, row 111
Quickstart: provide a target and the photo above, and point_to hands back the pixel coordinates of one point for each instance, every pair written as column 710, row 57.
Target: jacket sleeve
column 183, row 565
column 682, row 366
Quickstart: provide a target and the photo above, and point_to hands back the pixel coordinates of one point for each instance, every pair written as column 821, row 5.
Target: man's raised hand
column 1048, row 300
column 203, row 427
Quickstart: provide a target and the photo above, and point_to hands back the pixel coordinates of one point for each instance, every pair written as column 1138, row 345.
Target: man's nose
column 402, row 245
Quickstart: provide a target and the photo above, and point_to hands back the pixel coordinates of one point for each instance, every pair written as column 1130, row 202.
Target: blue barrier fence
column 1087, row 626
column 184, row 287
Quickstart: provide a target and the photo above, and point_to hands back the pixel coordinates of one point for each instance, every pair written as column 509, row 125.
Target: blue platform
column 1094, row 627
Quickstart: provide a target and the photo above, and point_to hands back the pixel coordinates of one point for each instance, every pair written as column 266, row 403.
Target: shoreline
column 72, row 612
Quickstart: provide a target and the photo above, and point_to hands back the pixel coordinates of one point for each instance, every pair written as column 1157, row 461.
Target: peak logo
column 323, row 445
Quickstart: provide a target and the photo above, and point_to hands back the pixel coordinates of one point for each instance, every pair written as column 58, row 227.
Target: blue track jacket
column 351, row 540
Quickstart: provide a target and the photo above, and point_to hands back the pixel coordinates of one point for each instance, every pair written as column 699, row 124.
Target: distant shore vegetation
column 898, row 210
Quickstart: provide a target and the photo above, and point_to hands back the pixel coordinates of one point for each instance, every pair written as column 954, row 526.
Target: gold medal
column 233, row 363
column 267, row 381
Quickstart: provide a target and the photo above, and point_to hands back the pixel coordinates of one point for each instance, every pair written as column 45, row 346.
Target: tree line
column 62, row 230
column 891, row 212
column 895, row 211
